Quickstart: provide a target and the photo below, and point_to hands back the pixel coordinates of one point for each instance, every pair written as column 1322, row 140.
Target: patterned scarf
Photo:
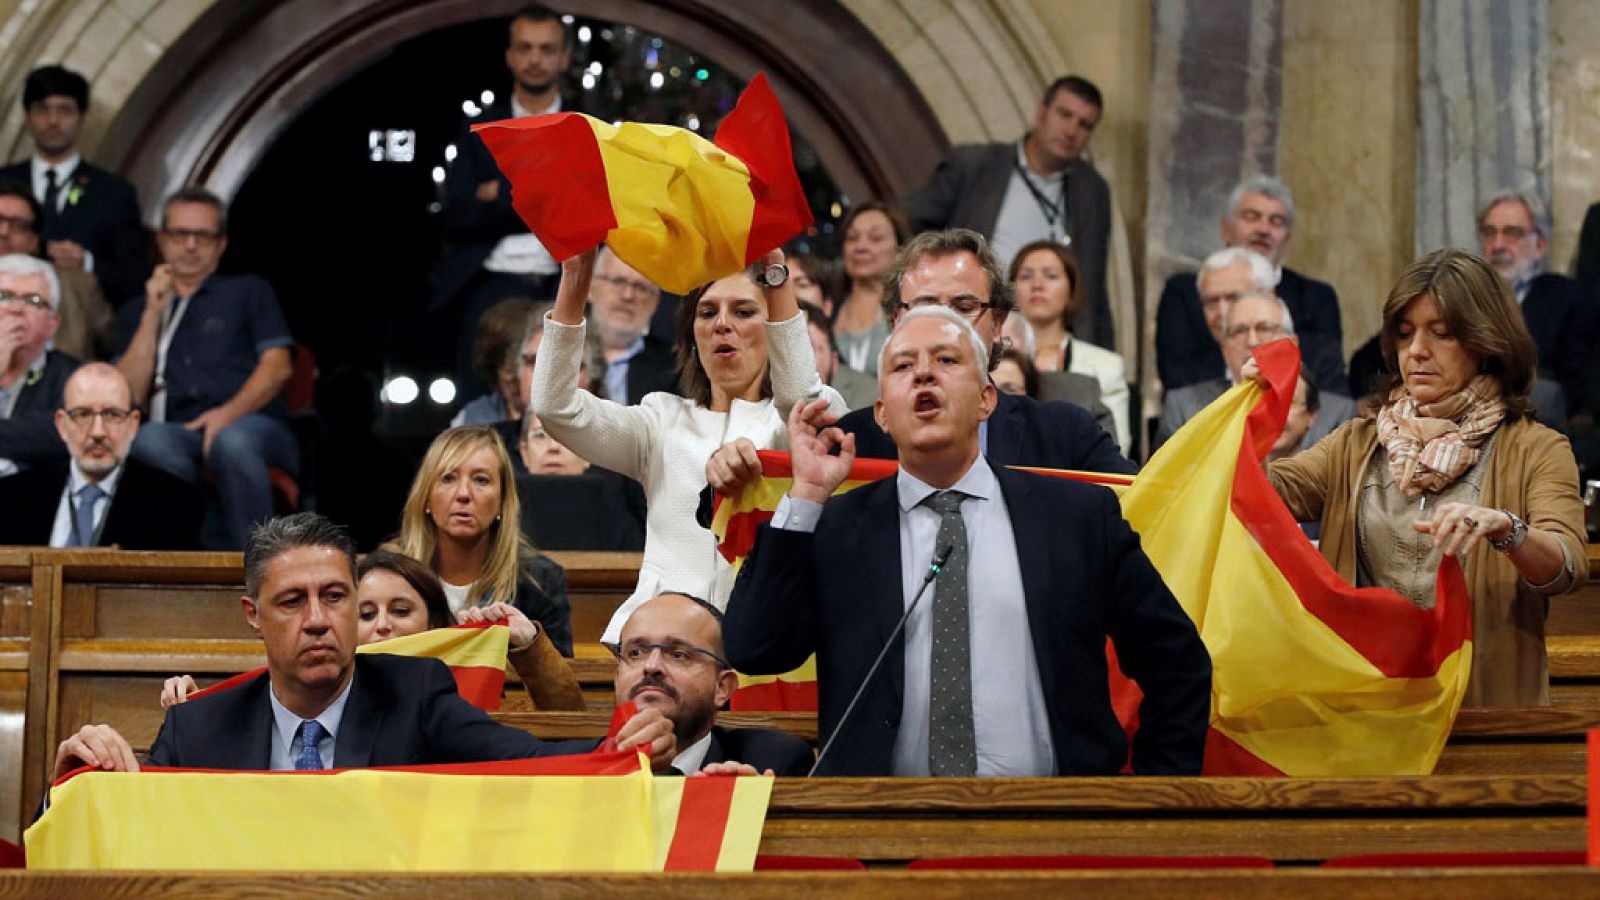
column 1431, row 445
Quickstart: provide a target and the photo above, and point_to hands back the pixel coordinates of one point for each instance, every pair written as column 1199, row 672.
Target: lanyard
column 1053, row 210
column 169, row 327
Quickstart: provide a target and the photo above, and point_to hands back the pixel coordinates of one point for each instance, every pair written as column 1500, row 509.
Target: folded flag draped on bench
column 476, row 655
column 600, row 812
column 682, row 210
column 1312, row 677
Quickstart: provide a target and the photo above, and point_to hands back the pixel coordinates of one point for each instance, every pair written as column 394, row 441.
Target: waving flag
column 679, row 208
column 1311, row 677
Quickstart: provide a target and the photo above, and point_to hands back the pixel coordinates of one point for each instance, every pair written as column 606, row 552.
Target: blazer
column 402, row 711
column 1022, row 432
column 151, row 509
column 859, row 389
column 28, row 436
column 105, row 220
column 967, row 189
column 837, row 592
column 655, row 368
column 1187, row 353
column 764, row 748
column 1554, row 310
column 470, row 227
column 1183, row 404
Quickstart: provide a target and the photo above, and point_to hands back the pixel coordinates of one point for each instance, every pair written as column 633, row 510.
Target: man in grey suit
column 1249, row 322
column 1038, row 187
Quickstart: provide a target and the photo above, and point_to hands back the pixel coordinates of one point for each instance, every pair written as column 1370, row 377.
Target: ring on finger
column 1471, row 523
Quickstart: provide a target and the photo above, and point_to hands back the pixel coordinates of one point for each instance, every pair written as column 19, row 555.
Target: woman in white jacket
column 744, row 360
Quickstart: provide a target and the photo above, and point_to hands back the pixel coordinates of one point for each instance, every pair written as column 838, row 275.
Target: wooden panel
column 573, row 725
column 1512, row 759
column 39, row 736
column 1577, row 613
column 165, row 658
column 13, row 708
column 159, row 612
column 1574, row 656
column 131, row 704
column 15, row 601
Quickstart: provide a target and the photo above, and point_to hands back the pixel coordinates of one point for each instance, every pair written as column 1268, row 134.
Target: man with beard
column 492, row 255
column 101, row 498
column 671, row 658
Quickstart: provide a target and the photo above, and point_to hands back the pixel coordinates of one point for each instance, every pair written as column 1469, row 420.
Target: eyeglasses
column 639, row 286
column 967, row 307
column 1511, row 233
column 677, row 654
column 17, row 223
column 83, row 415
column 1267, row 330
column 36, row 301
column 185, row 235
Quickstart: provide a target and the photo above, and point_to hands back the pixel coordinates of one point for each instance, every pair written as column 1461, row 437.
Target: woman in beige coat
column 1453, row 463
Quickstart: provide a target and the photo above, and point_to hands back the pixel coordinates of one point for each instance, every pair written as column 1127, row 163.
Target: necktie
column 83, row 516
column 952, row 749
column 52, row 194
column 310, row 736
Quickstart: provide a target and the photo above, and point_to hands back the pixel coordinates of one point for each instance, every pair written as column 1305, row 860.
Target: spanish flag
column 598, row 813
column 1311, row 677
column 476, row 655
column 682, row 210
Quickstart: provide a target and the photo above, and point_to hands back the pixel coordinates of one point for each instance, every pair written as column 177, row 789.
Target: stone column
column 1483, row 111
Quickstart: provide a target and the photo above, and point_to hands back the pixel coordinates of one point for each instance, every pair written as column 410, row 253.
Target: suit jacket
column 1186, row 353
column 1183, row 404
column 402, row 711
column 1022, row 432
column 763, row 748
column 29, row 436
column 151, row 509
column 859, row 389
column 655, row 368
column 105, row 220
column 837, row 593
column 1555, row 311
column 1080, row 390
column 967, row 189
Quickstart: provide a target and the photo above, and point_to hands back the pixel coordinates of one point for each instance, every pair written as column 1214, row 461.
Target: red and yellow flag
column 682, row 210
column 1311, row 677
column 476, row 655
column 599, row 812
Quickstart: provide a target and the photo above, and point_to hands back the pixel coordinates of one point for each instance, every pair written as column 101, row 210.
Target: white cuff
column 796, row 515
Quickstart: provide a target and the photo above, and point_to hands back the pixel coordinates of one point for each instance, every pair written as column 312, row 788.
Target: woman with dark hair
column 1453, row 464
column 744, row 360
column 1014, row 373
column 873, row 233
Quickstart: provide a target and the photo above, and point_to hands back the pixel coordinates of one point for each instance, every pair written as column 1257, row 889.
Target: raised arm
column 791, row 363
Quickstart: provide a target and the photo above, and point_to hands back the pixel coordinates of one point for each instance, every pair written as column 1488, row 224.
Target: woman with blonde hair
column 1453, row 464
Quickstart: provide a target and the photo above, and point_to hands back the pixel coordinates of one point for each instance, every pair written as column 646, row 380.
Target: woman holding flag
column 1453, row 464
column 744, row 359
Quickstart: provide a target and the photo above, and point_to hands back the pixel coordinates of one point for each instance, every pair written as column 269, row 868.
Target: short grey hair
column 275, row 537
column 22, row 264
column 1263, row 275
column 1288, row 320
column 1030, row 340
column 606, row 254
column 1529, row 200
column 1267, row 186
column 980, row 353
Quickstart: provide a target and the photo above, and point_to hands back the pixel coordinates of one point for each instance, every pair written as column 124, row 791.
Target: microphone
column 934, row 568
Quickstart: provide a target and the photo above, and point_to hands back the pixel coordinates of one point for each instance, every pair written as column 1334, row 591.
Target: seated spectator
column 872, row 233
column 398, row 597
column 493, row 358
column 1302, row 415
column 1247, row 323
column 88, row 329
column 1045, row 277
column 1546, row 400
column 1015, row 374
column 462, row 520
column 671, row 659
column 32, row 376
column 1002, row 671
column 623, row 301
column 815, row 279
column 99, row 497
column 91, row 220
column 310, row 711
column 568, row 504
column 209, row 355
column 1260, row 218
column 1067, row 387
column 857, row 388
column 742, row 357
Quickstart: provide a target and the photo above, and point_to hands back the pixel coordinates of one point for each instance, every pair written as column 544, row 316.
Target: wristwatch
column 775, row 275
column 1514, row 539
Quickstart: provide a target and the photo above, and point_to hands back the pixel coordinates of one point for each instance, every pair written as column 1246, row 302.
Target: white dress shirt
column 286, row 727
column 523, row 254
column 76, row 482
column 693, row 757
column 1010, row 720
column 1020, row 220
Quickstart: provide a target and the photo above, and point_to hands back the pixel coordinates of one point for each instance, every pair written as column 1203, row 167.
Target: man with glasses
column 32, row 374
column 623, row 302
column 671, row 659
column 100, row 498
column 87, row 324
column 208, row 356
column 1247, row 323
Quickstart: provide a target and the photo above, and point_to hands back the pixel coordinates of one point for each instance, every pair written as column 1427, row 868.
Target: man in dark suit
column 622, row 303
column 1260, row 218
column 1040, row 187
column 491, row 254
column 32, row 376
column 320, row 705
column 670, row 658
column 91, row 217
column 100, row 498
column 1004, row 672
column 956, row 269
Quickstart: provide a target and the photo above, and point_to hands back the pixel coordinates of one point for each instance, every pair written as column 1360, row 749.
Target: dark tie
column 83, row 516
column 52, row 194
column 952, row 749
column 310, row 736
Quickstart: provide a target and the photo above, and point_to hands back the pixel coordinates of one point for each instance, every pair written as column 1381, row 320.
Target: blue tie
column 310, row 737
column 83, row 515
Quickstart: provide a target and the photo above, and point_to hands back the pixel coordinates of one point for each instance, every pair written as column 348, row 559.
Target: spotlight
column 584, row 34
column 486, row 98
column 400, row 390
column 442, row 391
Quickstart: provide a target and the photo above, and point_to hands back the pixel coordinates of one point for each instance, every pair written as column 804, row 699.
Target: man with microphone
column 1001, row 669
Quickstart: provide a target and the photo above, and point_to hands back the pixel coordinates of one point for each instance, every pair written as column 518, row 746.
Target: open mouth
column 926, row 403
column 726, row 351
